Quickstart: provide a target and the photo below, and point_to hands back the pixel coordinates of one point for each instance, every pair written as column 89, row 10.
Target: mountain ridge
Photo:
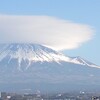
column 36, row 52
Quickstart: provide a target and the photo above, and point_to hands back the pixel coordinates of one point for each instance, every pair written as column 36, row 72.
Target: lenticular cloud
column 51, row 31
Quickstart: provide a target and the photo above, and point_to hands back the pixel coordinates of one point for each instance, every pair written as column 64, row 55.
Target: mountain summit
column 29, row 53
column 24, row 66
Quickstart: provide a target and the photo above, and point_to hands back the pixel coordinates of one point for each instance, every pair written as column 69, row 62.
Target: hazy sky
column 72, row 25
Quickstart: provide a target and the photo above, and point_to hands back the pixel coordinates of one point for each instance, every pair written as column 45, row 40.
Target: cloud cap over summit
column 51, row 31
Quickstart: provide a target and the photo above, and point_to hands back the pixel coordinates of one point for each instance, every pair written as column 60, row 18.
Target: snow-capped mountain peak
column 82, row 61
column 29, row 53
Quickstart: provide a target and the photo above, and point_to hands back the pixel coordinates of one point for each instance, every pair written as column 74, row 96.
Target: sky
column 71, row 26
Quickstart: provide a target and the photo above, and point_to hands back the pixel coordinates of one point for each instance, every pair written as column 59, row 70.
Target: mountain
column 29, row 53
column 34, row 66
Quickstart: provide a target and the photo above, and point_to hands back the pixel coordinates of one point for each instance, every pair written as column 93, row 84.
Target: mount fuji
column 34, row 66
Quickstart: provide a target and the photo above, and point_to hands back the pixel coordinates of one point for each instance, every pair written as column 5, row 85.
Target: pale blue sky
column 79, row 11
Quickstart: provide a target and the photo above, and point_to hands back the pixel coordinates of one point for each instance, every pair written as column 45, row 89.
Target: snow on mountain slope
column 30, row 53
column 82, row 61
column 36, row 53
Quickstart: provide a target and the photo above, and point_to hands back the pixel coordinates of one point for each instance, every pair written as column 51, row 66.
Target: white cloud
column 54, row 32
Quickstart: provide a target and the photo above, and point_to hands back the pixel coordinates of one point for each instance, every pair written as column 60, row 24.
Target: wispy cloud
column 51, row 31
